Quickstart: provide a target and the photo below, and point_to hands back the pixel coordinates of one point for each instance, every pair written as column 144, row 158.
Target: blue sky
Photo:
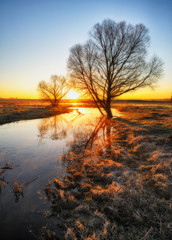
column 36, row 36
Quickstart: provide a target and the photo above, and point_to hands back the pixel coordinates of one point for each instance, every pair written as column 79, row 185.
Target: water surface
column 32, row 149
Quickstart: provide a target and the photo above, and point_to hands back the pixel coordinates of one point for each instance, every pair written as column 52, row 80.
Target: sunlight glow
column 72, row 94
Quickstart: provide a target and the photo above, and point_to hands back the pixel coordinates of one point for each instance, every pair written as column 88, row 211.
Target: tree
column 54, row 90
column 113, row 62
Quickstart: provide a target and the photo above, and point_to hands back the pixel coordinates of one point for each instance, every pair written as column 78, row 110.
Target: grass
column 16, row 110
column 118, row 181
column 120, row 188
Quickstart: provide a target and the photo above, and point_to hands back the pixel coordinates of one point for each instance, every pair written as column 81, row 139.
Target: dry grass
column 16, row 110
column 120, row 187
column 122, row 191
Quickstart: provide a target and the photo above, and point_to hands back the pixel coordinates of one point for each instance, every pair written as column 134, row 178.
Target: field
column 117, row 181
column 16, row 110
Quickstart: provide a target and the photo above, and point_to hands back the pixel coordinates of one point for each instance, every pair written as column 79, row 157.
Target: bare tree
column 113, row 62
column 54, row 90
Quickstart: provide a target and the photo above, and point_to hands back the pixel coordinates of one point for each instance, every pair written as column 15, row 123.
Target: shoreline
column 32, row 113
column 126, row 165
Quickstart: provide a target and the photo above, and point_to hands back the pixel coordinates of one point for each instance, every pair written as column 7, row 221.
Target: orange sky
column 33, row 47
column 158, row 93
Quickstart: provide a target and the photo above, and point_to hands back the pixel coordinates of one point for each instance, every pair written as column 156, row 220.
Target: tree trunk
column 108, row 109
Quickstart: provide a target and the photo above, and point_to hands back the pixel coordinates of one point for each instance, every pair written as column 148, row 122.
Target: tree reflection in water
column 85, row 130
column 84, row 136
column 88, row 183
column 97, row 136
column 55, row 127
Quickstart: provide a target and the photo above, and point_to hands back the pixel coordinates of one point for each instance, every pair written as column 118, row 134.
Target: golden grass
column 16, row 110
column 122, row 191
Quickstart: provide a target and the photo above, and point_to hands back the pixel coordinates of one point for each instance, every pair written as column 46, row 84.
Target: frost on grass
column 119, row 188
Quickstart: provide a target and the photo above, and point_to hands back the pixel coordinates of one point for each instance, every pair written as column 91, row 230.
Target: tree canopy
column 55, row 89
column 113, row 62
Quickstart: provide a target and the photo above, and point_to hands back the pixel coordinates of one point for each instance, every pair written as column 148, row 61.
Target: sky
column 36, row 37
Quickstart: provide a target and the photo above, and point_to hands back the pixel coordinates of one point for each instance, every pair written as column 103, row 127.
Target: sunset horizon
column 33, row 47
column 85, row 120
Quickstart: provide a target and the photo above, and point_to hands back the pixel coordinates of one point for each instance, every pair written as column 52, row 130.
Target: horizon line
column 79, row 99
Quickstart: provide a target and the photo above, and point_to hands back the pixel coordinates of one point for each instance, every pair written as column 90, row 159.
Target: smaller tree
column 54, row 90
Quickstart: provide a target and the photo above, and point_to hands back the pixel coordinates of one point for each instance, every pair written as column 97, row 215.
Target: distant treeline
column 90, row 101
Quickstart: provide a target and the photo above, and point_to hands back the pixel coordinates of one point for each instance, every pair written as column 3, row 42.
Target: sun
column 72, row 94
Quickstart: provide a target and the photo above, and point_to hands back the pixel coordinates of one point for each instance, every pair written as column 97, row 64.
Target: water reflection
column 99, row 136
column 55, row 126
column 62, row 126
column 86, row 187
column 86, row 132
column 35, row 153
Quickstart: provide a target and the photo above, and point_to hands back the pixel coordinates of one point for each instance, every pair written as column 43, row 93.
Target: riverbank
column 118, row 180
column 79, row 176
column 13, row 111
